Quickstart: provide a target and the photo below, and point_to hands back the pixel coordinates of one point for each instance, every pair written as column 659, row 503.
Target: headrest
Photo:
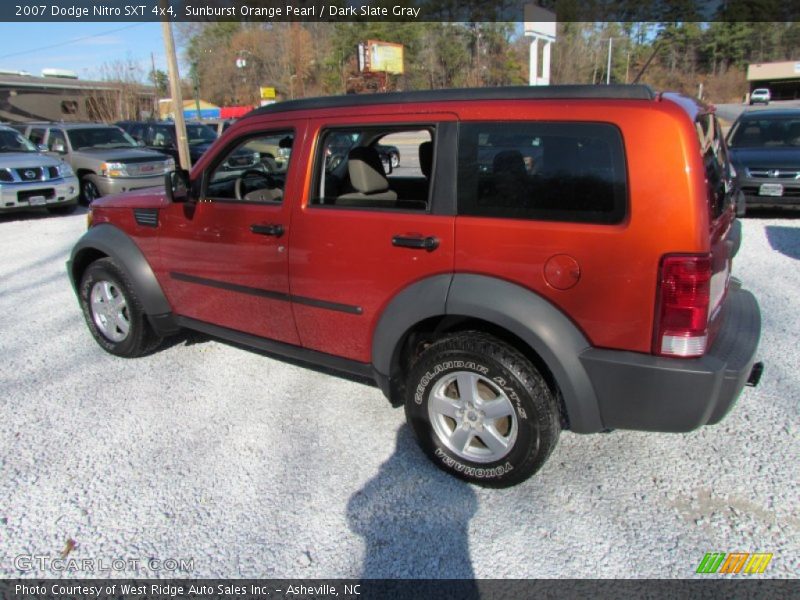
column 366, row 170
column 509, row 162
column 426, row 158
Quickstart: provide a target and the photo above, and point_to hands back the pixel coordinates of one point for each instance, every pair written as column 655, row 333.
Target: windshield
column 100, row 137
column 767, row 133
column 11, row 141
column 200, row 133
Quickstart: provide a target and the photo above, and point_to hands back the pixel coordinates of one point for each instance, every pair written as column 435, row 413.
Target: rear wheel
column 394, row 160
column 113, row 312
column 481, row 411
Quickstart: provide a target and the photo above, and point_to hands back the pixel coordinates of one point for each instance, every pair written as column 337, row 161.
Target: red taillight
column 684, row 293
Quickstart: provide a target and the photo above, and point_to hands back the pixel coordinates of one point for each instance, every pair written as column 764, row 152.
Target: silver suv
column 30, row 179
column 105, row 158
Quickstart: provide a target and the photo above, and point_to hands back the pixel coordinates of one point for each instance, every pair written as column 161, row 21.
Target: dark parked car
column 765, row 151
column 340, row 145
column 161, row 136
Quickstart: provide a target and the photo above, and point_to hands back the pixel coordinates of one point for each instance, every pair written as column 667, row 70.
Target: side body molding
column 540, row 325
column 111, row 241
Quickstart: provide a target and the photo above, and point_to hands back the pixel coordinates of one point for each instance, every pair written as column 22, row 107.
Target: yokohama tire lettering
column 478, row 472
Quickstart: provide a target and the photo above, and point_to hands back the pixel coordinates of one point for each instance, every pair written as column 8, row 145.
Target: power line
column 80, row 39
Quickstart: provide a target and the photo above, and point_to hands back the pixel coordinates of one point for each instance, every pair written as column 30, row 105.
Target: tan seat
column 368, row 178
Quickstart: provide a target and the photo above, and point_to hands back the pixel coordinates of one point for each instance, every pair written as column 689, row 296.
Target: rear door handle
column 275, row 230
column 429, row 243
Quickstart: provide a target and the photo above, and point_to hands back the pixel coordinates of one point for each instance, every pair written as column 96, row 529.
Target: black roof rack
column 548, row 92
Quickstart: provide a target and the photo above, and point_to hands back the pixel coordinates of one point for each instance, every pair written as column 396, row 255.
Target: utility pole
column 155, row 87
column 175, row 91
column 608, row 68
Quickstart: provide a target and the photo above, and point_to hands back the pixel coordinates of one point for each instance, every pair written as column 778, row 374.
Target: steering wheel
column 252, row 173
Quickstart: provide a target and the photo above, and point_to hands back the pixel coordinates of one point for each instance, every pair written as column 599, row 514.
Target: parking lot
column 245, row 466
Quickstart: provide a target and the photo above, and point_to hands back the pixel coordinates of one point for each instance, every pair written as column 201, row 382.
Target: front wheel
column 113, row 312
column 89, row 191
column 481, row 411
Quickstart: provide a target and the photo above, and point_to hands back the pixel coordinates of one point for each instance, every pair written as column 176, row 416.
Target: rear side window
column 545, row 171
column 715, row 163
column 375, row 167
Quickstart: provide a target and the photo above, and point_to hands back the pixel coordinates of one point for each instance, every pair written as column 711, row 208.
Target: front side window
column 37, row 135
column 545, row 171
column 99, row 137
column 374, row 167
column 56, row 142
column 254, row 170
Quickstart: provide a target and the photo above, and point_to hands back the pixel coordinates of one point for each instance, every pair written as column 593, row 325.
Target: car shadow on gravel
column 414, row 520
column 785, row 240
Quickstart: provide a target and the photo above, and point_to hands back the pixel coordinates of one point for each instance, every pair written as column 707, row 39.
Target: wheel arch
column 512, row 313
column 106, row 240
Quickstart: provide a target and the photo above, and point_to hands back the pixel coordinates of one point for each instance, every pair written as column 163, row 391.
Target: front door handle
column 428, row 243
column 275, row 230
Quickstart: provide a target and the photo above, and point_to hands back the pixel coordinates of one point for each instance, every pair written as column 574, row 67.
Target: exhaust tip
column 755, row 374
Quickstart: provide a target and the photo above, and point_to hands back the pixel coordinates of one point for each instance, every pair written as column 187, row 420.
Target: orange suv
column 545, row 258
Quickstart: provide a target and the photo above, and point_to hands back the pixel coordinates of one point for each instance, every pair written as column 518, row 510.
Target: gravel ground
column 259, row 468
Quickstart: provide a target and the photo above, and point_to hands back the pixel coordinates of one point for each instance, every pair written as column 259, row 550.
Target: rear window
column 715, row 163
column 545, row 171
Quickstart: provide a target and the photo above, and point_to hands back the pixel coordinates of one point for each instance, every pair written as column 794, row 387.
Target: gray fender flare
column 113, row 242
column 419, row 301
column 540, row 325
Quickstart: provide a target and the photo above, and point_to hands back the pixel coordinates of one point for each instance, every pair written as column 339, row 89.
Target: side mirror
column 176, row 184
column 140, row 143
column 42, row 148
column 59, row 148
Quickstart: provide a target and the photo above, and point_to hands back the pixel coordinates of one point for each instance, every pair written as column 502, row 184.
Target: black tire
column 741, row 207
column 504, row 374
column 62, row 210
column 140, row 339
column 89, row 191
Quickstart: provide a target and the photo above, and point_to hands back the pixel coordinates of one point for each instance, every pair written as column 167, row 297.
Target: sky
column 80, row 47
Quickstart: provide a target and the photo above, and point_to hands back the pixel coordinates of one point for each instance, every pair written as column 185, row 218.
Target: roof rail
column 548, row 92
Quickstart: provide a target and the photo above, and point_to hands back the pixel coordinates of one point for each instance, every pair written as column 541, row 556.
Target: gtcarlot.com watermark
column 42, row 562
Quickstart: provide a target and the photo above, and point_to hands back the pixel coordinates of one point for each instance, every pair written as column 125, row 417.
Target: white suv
column 29, row 179
column 760, row 95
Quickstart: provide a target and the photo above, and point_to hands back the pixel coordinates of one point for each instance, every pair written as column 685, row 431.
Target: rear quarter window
column 543, row 171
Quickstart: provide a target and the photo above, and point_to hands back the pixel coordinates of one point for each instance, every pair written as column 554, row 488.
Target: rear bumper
column 651, row 393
